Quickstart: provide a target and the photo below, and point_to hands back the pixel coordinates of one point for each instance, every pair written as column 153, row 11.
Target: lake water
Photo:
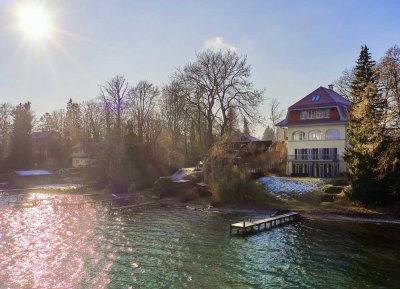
column 51, row 246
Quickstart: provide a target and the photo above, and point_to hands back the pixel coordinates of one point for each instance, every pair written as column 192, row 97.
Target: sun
column 34, row 21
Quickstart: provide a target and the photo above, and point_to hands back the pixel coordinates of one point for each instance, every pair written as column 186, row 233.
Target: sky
column 293, row 47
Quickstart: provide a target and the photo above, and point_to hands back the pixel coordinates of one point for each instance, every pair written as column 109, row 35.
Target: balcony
column 313, row 157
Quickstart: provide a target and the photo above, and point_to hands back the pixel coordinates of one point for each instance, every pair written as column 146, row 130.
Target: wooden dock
column 23, row 204
column 264, row 224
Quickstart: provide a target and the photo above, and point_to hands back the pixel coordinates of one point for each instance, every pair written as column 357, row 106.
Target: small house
column 83, row 154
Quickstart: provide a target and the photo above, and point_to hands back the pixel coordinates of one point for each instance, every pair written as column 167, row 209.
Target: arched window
column 332, row 134
column 315, row 135
column 299, row 135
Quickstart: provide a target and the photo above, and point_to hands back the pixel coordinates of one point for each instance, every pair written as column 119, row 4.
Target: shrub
column 163, row 186
column 188, row 195
column 235, row 186
column 333, row 190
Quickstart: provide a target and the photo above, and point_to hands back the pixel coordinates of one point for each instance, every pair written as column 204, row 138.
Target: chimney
column 330, row 86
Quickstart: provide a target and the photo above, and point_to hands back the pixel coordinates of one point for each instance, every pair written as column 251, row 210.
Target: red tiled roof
column 326, row 97
column 320, row 98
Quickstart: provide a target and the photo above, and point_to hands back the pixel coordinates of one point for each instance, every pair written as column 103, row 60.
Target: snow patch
column 285, row 187
column 181, row 174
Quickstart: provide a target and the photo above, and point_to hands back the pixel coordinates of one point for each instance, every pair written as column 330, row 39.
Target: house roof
column 282, row 122
column 87, row 147
column 320, row 97
column 33, row 173
column 251, row 138
column 41, row 134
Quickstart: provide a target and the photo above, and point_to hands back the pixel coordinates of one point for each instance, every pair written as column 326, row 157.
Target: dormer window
column 314, row 114
column 315, row 98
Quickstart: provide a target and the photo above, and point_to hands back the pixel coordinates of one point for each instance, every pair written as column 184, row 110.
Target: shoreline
column 315, row 215
column 343, row 216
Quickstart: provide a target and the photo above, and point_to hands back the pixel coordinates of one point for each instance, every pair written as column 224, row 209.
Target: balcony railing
column 313, row 157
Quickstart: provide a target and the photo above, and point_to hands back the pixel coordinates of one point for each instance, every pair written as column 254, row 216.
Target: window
column 299, row 135
column 301, row 154
column 325, row 154
column 314, row 154
column 315, row 114
column 304, row 154
column 331, row 134
column 315, row 135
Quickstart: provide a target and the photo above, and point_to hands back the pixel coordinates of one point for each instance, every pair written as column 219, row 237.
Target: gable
column 320, row 97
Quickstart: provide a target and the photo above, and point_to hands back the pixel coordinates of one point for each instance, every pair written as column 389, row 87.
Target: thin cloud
column 217, row 43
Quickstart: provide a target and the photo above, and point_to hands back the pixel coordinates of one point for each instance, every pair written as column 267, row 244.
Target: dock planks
column 263, row 224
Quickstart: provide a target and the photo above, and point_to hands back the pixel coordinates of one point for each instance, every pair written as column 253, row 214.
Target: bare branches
column 143, row 99
column 276, row 114
column 114, row 94
column 216, row 83
column 343, row 83
column 94, row 119
column 174, row 111
column 389, row 78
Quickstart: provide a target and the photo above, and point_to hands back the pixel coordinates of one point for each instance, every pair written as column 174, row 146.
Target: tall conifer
column 21, row 141
column 365, row 133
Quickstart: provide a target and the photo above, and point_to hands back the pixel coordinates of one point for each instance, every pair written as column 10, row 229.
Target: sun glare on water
column 34, row 21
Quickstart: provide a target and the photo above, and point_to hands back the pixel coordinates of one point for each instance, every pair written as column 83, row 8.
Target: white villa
column 317, row 134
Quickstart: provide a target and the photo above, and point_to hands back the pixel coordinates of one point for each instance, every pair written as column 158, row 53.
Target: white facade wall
column 340, row 144
column 82, row 162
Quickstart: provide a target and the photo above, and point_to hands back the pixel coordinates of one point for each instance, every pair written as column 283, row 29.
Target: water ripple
column 53, row 246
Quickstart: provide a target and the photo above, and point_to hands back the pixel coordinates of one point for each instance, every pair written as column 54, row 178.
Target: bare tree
column 153, row 131
column 276, row 114
column 94, row 120
column 174, row 112
column 54, row 121
column 389, row 78
column 217, row 82
column 343, row 83
column 114, row 94
column 143, row 99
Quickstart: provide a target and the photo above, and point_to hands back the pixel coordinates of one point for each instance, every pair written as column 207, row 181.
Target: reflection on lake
column 52, row 246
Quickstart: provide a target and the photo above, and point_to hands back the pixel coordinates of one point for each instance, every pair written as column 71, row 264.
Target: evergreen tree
column 232, row 125
column 268, row 134
column 21, row 141
column 246, row 128
column 364, row 132
column 73, row 124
